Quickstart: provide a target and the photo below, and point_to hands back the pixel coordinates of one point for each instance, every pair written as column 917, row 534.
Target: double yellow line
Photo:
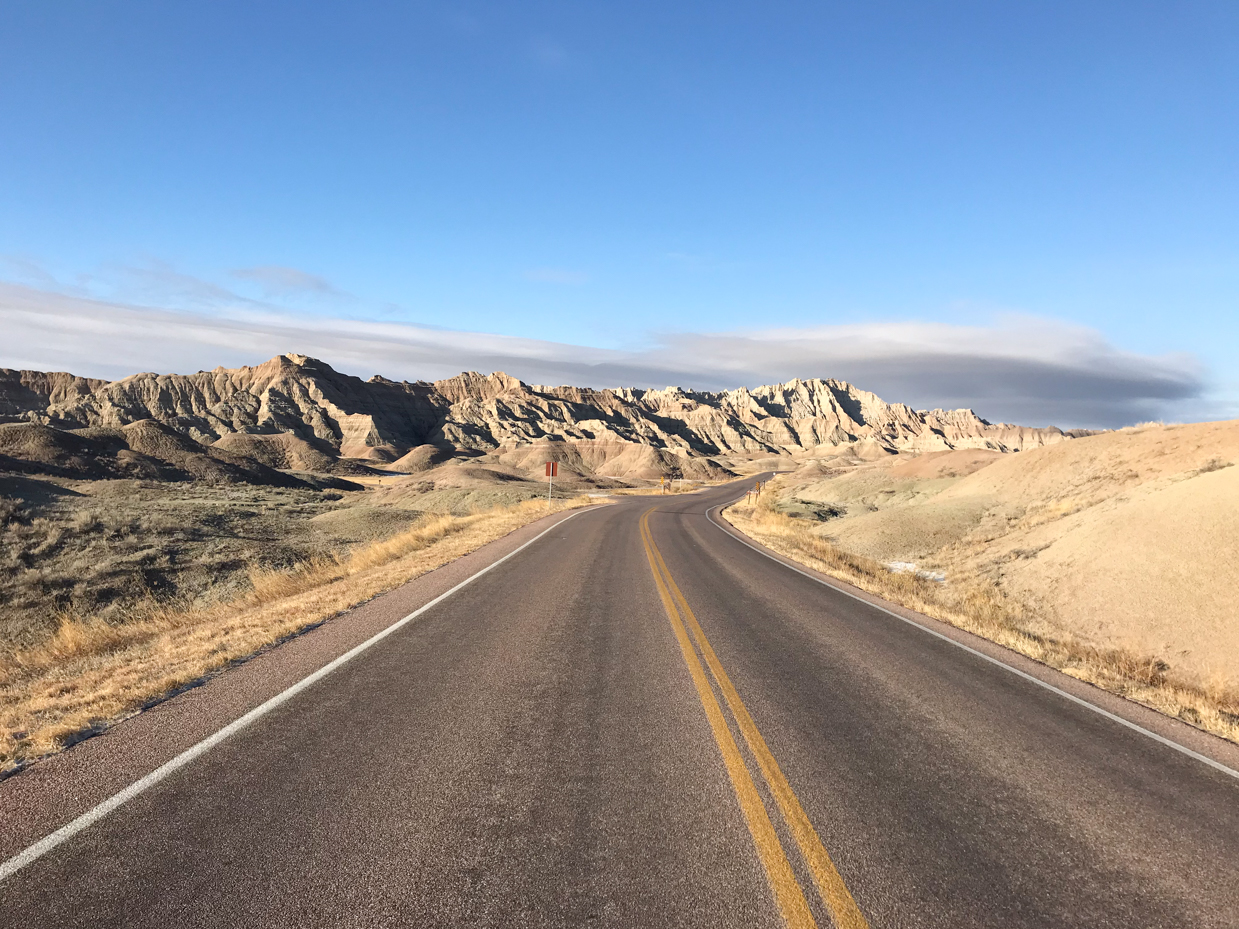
column 788, row 895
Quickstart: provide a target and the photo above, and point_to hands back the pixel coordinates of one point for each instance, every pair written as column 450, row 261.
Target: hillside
column 1127, row 539
column 322, row 415
column 145, row 449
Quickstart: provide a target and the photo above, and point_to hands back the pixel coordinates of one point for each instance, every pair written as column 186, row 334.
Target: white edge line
column 1002, row 664
column 66, row 832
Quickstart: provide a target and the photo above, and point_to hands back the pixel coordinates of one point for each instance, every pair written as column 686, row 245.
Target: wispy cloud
column 158, row 282
column 1018, row 369
column 277, row 281
column 155, row 282
column 555, row 276
column 27, row 270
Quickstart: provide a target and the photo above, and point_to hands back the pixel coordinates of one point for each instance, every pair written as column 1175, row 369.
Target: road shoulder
column 1174, row 730
column 54, row 791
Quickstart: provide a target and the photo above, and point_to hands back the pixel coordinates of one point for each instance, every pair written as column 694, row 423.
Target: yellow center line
column 830, row 885
column 788, row 896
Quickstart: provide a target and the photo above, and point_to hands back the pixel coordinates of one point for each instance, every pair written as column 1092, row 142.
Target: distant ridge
column 343, row 416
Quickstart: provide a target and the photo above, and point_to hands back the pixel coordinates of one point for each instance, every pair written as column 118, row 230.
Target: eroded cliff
column 381, row 420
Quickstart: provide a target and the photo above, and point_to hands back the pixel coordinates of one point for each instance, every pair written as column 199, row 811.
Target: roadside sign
column 552, row 472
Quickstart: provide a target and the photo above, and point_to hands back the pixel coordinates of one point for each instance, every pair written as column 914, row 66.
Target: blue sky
column 1031, row 209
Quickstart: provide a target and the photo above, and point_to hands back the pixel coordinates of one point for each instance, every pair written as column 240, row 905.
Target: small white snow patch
column 909, row 567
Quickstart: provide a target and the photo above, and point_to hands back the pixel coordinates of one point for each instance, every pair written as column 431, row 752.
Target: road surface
column 637, row 720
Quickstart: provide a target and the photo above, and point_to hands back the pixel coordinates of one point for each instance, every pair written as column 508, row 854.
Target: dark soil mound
column 422, row 458
column 199, row 462
column 37, row 449
column 145, row 449
column 287, row 452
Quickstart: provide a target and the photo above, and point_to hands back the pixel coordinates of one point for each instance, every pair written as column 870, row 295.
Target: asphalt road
column 632, row 726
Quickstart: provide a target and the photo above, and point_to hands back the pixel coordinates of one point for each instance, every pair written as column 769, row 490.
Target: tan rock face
column 22, row 391
column 382, row 419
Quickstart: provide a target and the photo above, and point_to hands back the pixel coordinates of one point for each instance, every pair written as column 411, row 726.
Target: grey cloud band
column 1021, row 369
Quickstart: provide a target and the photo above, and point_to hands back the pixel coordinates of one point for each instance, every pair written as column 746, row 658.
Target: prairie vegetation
column 1110, row 558
column 117, row 593
column 676, row 486
column 98, row 548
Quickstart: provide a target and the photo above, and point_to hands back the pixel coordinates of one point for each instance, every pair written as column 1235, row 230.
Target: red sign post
column 552, row 472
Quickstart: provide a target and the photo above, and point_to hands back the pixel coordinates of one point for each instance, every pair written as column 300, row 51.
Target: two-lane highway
column 639, row 721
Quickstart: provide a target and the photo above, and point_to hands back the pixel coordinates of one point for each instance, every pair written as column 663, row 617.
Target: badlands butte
column 297, row 413
column 1114, row 555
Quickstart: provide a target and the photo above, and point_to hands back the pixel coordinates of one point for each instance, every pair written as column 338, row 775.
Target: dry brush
column 980, row 606
column 90, row 672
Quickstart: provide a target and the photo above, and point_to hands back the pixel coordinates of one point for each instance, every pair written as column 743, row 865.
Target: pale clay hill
column 297, row 413
column 1126, row 539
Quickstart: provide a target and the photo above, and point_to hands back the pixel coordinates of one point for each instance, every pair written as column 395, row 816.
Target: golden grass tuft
column 89, row 673
column 980, row 606
column 680, row 487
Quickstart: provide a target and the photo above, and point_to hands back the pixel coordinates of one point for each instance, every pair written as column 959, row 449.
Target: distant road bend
column 638, row 720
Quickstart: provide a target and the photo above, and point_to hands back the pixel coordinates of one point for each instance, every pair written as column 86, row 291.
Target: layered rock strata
column 379, row 419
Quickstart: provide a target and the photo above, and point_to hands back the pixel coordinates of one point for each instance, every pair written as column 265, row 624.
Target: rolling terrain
column 172, row 488
column 628, row 717
column 1126, row 539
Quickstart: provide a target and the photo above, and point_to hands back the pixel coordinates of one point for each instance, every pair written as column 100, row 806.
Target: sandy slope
column 1127, row 538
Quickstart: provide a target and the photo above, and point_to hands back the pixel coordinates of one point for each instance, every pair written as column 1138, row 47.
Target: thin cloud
column 156, row 282
column 28, row 270
column 1020, row 369
column 278, row 281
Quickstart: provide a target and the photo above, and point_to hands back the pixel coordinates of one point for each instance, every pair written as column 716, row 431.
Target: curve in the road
column 1114, row 717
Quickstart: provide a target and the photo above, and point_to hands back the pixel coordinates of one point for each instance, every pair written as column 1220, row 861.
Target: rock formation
column 326, row 415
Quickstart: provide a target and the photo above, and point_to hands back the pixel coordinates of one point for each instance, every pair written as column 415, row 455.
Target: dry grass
column 91, row 672
column 1124, row 540
column 102, row 548
column 680, row 487
column 981, row 607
